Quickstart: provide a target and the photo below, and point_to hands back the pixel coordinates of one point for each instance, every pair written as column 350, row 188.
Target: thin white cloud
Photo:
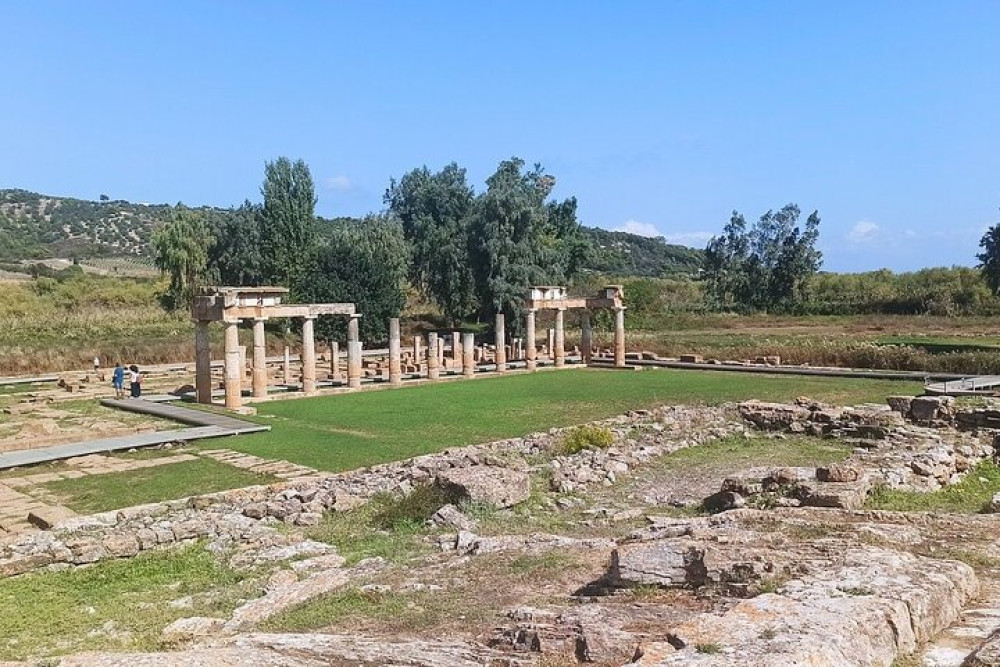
column 648, row 229
column 638, row 228
column 338, row 183
column 692, row 239
column 863, row 232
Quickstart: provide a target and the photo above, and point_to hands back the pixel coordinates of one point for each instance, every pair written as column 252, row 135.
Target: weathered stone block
column 186, row 629
column 846, row 495
column 22, row 564
column 186, row 530
column 449, row 515
column 499, row 487
column 121, row 546
column 84, row 550
column 48, row 516
column 900, row 404
column 838, row 473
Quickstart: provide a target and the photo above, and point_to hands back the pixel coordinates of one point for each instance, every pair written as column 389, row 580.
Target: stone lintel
column 305, row 310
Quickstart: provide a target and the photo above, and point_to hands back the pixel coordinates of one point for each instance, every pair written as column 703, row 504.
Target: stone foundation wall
column 243, row 521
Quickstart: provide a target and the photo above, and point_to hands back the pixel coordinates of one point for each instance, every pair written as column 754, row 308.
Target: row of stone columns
column 463, row 348
column 234, row 362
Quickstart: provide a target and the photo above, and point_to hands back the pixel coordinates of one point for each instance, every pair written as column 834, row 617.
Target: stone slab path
column 206, row 425
column 281, row 469
column 15, row 507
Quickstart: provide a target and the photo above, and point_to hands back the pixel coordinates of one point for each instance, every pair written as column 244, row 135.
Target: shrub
column 417, row 506
column 585, row 437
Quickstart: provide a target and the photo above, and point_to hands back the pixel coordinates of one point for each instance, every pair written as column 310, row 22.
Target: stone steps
column 976, row 624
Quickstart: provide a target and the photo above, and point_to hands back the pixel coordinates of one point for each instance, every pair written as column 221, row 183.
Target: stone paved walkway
column 25, row 494
column 281, row 469
column 14, row 509
column 94, row 464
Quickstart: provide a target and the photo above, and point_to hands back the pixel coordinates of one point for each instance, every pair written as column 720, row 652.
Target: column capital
column 308, row 317
column 260, row 319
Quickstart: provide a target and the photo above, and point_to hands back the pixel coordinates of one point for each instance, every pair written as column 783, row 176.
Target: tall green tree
column 287, row 220
column 766, row 266
column 366, row 262
column 435, row 210
column 235, row 257
column 989, row 258
column 517, row 240
column 181, row 251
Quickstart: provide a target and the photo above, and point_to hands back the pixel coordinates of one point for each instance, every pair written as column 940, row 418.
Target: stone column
column 416, row 351
column 395, row 370
column 501, row 343
column 259, row 358
column 550, row 345
column 586, row 337
column 456, row 346
column 440, row 351
column 286, row 368
column 334, row 360
column 433, row 368
column 560, row 338
column 468, row 350
column 243, row 364
column 620, row 336
column 353, row 364
column 202, row 362
column 353, row 329
column 234, row 396
column 529, row 343
column 353, row 353
column 308, row 355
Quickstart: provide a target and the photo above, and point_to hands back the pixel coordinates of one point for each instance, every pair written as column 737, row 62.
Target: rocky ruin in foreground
column 606, row 555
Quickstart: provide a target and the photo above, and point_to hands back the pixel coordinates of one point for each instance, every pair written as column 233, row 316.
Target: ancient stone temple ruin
column 555, row 298
column 229, row 305
column 425, row 360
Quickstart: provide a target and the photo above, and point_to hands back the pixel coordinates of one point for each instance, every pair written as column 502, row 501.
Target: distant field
column 965, row 345
column 125, row 267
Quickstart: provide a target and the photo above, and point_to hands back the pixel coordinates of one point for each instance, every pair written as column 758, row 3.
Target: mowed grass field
column 353, row 430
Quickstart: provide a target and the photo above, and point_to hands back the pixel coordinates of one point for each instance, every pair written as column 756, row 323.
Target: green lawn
column 970, row 496
column 99, row 493
column 353, row 430
column 114, row 605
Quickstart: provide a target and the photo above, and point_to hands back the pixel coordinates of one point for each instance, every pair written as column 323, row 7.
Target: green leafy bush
column 585, row 437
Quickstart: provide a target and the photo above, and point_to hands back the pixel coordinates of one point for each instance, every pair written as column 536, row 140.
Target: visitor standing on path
column 118, row 380
column 134, row 381
column 97, row 368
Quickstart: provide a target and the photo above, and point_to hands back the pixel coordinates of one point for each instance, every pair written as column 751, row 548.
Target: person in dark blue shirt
column 118, row 381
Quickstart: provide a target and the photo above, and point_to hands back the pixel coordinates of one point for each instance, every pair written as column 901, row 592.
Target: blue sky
column 661, row 117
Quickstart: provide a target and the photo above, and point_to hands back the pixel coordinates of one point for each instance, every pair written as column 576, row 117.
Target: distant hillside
column 624, row 254
column 35, row 226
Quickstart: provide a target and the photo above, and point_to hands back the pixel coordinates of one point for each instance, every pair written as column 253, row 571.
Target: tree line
column 472, row 254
